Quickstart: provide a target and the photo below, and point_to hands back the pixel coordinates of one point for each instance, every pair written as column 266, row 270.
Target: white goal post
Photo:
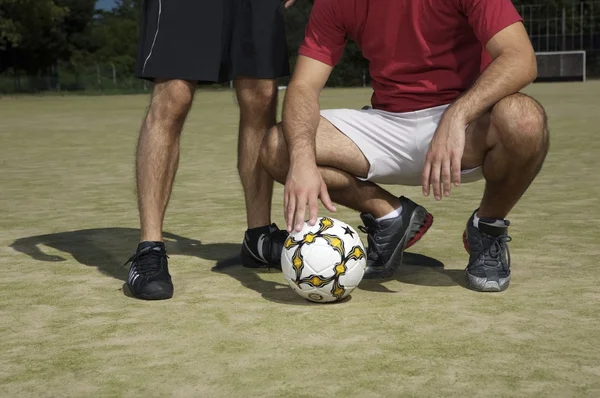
column 561, row 66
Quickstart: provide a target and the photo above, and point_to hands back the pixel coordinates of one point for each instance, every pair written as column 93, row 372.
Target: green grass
column 69, row 220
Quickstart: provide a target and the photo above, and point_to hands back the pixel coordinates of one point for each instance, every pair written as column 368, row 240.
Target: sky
column 105, row 4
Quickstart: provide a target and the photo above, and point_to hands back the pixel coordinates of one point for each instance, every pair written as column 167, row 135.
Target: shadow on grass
column 418, row 269
column 108, row 248
column 278, row 292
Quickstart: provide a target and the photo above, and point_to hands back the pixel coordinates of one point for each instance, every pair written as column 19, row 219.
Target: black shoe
column 149, row 277
column 388, row 239
column 489, row 261
column 262, row 247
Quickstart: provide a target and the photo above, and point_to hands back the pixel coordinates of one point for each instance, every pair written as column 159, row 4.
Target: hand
column 304, row 186
column 443, row 160
column 288, row 3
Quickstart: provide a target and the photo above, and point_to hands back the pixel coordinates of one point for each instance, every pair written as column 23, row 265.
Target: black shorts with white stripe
column 212, row 40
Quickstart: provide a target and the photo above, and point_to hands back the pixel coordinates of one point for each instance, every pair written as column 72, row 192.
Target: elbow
column 523, row 63
column 531, row 68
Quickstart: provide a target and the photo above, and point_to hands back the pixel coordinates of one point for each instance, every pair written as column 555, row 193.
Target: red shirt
column 421, row 53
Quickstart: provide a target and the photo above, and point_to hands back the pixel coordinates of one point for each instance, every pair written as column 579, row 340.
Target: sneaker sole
column 483, row 284
column 154, row 298
column 420, row 222
column 151, row 297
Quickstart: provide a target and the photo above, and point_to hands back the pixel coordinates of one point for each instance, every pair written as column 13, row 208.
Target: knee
column 272, row 146
column 171, row 102
column 521, row 123
column 258, row 102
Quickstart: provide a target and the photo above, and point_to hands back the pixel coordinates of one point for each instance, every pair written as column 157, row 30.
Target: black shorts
column 212, row 40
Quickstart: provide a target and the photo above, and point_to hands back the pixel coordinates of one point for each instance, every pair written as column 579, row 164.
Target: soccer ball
column 325, row 262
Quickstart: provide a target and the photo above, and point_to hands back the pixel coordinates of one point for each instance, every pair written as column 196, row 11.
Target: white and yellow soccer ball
column 325, row 262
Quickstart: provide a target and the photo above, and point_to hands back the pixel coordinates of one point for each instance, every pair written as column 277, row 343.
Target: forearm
column 506, row 75
column 301, row 115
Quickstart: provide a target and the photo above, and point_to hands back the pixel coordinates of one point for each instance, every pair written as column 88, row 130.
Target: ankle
column 259, row 225
column 253, row 234
column 151, row 237
column 393, row 214
column 491, row 221
column 383, row 208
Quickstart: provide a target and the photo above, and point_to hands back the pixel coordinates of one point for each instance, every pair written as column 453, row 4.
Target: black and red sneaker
column 387, row 239
column 489, row 261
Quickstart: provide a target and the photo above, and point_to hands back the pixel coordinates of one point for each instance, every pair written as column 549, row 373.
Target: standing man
column 446, row 109
column 183, row 42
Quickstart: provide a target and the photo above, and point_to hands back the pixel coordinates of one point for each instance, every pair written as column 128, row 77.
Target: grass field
column 68, row 221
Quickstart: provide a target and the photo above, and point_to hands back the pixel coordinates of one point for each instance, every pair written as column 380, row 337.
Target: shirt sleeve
column 488, row 17
column 325, row 36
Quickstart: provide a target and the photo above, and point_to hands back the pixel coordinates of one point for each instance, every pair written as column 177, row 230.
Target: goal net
column 561, row 66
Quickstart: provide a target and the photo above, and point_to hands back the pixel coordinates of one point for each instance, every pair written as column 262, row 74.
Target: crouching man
column 446, row 110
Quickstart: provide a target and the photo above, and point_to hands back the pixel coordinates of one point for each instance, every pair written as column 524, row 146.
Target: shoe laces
column 147, row 260
column 492, row 248
column 372, row 248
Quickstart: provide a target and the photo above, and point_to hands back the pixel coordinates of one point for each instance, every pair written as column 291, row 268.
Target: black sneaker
column 262, row 247
column 489, row 261
column 387, row 239
column 149, row 277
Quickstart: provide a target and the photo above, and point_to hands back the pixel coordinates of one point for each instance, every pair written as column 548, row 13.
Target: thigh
column 389, row 142
column 512, row 113
column 335, row 149
column 258, row 46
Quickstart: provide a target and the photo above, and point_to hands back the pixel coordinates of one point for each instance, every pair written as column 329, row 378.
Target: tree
column 31, row 34
column 116, row 33
column 77, row 26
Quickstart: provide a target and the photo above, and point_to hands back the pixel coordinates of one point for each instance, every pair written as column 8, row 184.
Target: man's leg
column 340, row 161
column 263, row 241
column 157, row 155
column 257, row 99
column 157, row 159
column 511, row 143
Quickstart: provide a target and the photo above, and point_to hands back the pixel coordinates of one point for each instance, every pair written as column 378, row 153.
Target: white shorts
column 395, row 144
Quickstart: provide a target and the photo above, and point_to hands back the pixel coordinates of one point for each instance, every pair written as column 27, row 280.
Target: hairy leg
column 340, row 161
column 157, row 154
column 257, row 99
column 511, row 142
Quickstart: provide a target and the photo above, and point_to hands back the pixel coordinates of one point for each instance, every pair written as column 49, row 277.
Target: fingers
column 431, row 175
column 456, row 167
column 313, row 209
column 326, row 200
column 289, row 3
column 425, row 176
column 435, row 180
column 300, row 213
column 289, row 212
column 440, row 175
column 446, row 177
column 286, row 194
